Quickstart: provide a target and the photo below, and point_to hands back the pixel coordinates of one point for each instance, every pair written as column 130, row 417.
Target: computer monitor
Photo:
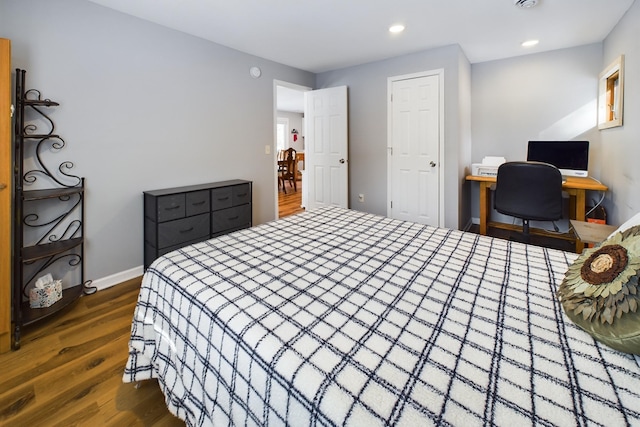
column 571, row 157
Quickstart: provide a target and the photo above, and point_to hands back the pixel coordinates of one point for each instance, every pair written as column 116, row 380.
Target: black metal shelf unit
column 48, row 211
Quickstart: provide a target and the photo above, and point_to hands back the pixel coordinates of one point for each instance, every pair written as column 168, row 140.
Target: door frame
column 390, row 80
column 274, row 149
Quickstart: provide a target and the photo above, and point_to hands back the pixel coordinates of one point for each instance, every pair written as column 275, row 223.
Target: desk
column 574, row 186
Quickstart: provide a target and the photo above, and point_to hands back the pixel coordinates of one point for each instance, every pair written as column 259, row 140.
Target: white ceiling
column 323, row 35
column 289, row 99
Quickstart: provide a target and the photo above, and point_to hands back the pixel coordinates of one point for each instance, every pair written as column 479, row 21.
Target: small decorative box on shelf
column 46, row 295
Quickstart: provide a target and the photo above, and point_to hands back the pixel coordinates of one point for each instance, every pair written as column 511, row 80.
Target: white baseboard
column 475, row 220
column 117, row 278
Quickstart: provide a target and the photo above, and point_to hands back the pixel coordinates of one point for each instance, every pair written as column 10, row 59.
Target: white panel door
column 414, row 150
column 326, row 147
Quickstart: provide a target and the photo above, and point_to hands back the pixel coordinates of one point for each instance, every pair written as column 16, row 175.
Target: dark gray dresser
column 176, row 217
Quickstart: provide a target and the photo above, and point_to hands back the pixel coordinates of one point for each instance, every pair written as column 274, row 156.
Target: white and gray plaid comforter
column 336, row 317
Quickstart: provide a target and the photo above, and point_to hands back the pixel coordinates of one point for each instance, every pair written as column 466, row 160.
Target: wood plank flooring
column 68, row 371
column 289, row 203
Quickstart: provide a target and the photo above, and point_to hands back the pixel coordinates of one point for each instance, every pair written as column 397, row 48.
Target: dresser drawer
column 197, row 202
column 235, row 217
column 183, row 230
column 178, row 246
column 151, row 252
column 241, row 194
column 170, row 207
column 221, row 198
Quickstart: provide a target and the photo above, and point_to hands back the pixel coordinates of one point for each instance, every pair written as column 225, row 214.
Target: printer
column 488, row 167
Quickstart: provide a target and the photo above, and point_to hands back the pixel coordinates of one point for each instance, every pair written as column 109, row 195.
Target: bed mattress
column 338, row 317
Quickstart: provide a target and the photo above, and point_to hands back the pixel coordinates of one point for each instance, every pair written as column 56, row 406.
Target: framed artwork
column 610, row 94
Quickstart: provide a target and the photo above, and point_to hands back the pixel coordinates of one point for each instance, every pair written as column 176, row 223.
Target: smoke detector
column 525, row 4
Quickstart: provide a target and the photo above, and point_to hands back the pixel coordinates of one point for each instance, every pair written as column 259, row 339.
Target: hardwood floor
column 68, row 371
column 289, row 203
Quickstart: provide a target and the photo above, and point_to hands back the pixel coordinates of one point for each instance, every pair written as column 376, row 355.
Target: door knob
column 432, row 164
column 342, row 160
column 3, row 186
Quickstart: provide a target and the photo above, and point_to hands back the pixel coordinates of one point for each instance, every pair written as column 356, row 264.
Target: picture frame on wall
column 610, row 94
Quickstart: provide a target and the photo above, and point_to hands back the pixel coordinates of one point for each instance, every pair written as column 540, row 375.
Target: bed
column 338, row 317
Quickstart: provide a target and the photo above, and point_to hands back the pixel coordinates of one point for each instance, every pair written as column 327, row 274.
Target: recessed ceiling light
column 398, row 28
column 530, row 43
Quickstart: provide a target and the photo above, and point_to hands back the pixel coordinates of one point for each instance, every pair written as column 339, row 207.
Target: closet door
column 6, row 217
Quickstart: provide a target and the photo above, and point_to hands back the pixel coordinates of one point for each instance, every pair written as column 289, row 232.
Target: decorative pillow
column 600, row 291
column 634, row 220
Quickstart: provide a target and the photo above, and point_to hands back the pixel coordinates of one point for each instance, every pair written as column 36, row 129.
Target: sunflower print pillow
column 599, row 292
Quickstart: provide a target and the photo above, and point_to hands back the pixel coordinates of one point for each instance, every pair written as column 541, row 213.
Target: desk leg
column 485, row 201
column 581, row 202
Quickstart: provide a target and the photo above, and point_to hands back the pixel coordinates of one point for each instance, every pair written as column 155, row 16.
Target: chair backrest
column 289, row 159
column 529, row 190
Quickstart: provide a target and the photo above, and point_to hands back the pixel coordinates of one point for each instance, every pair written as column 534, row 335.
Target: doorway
column 323, row 162
column 289, row 133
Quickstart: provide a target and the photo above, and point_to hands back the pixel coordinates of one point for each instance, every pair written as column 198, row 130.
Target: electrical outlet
column 267, row 149
column 361, row 198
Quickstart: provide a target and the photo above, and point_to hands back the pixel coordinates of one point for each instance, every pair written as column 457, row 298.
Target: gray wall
column 368, row 124
column 541, row 96
column 621, row 145
column 465, row 137
column 144, row 107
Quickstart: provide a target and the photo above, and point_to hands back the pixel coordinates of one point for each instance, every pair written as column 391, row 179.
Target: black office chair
column 529, row 191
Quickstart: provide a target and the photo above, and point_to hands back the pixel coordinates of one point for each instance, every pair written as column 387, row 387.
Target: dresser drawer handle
column 221, row 199
column 197, row 203
column 233, row 218
column 172, row 208
column 242, row 195
column 188, row 230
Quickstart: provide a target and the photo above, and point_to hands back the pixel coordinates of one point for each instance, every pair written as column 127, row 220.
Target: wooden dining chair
column 287, row 169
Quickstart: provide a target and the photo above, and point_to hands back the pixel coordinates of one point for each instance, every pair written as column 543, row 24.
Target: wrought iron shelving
column 48, row 211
